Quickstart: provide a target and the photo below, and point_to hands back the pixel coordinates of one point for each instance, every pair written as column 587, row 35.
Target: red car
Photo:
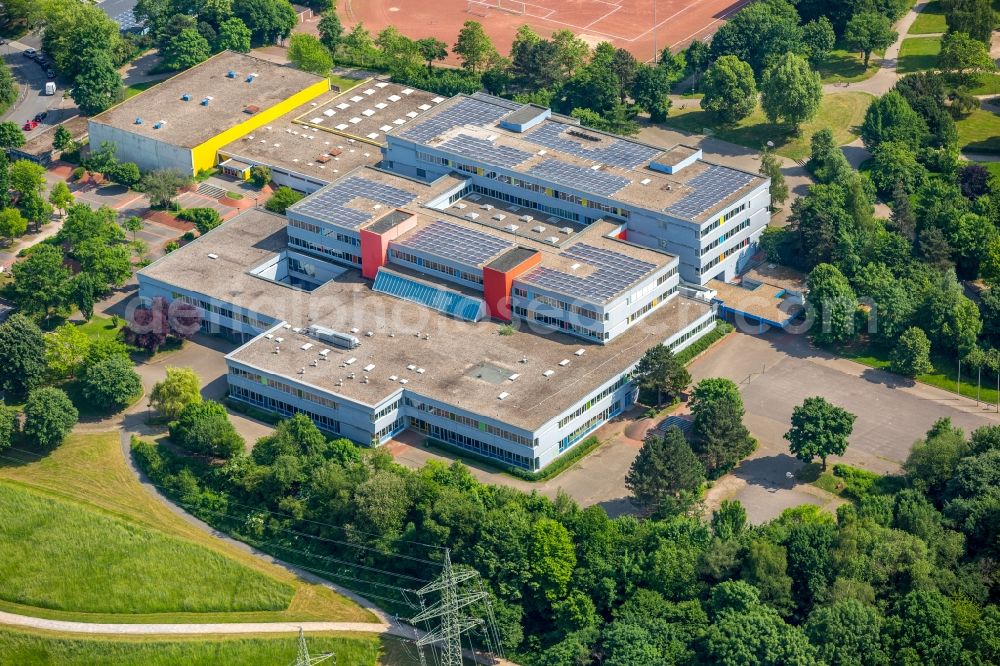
column 30, row 125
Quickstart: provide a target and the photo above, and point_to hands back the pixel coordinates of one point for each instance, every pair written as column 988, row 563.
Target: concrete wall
column 148, row 153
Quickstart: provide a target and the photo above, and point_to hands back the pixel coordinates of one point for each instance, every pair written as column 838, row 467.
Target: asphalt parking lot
column 777, row 371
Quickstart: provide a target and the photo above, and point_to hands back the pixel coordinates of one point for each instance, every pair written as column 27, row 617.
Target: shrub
column 205, row 219
column 260, row 175
column 204, row 428
column 78, row 173
column 283, row 198
column 124, row 173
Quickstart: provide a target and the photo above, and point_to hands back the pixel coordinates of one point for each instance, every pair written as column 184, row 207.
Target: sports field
column 642, row 26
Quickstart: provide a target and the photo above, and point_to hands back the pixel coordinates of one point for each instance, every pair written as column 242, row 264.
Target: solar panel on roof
column 451, row 241
column 617, row 152
column 614, row 273
column 486, row 151
column 466, row 111
column 587, row 180
column 709, row 188
column 329, row 204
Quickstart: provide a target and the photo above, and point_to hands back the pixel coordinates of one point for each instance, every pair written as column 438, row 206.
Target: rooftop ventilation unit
column 159, row 123
column 553, row 239
column 564, row 362
column 369, row 368
column 138, row 121
column 514, row 377
column 404, row 381
column 566, row 230
column 580, row 352
column 539, row 229
column 230, row 74
column 334, row 337
column 548, row 373
column 512, row 227
column 212, row 255
column 420, row 371
column 251, row 77
column 205, row 101
column 503, row 396
column 307, row 346
column 526, row 218
column 186, row 97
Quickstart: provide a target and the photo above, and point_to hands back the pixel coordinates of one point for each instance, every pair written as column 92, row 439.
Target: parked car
column 39, row 117
column 29, row 52
column 30, row 125
column 50, row 74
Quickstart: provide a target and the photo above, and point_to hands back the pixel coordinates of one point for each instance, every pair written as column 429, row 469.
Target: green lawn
column 979, row 132
column 343, row 82
column 26, row 648
column 89, row 477
column 930, row 21
column 136, row 88
column 918, row 54
column 986, row 83
column 992, row 167
column 844, row 66
column 100, row 328
column 62, row 556
column 841, row 112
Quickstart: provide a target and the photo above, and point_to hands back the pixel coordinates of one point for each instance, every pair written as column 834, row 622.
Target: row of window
column 471, row 423
column 320, row 249
column 735, row 248
column 525, row 203
column 586, row 203
column 391, row 407
column 562, row 305
column 284, row 408
column 593, row 422
column 435, row 266
column 343, row 238
column 652, row 304
column 709, row 228
column 561, row 324
column 709, row 323
column 470, row 443
column 284, row 388
column 724, row 237
column 205, row 306
column 390, row 430
column 594, row 399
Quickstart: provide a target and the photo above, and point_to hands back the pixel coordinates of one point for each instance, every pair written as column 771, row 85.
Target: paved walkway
column 885, row 78
column 123, row 629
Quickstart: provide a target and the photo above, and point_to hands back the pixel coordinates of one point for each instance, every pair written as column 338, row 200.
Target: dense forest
column 906, row 573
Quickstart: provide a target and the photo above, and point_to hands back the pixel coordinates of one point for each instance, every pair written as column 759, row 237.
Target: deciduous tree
column 233, row 35
column 98, row 85
column 204, row 428
column 659, row 370
column 474, row 47
column 22, row 356
column 11, row 135
column 869, row 31
column 268, row 20
column 832, row 303
column 49, row 416
column 180, row 388
column 111, row 384
column 790, row 91
column 309, row 54
column 331, row 30
column 819, row 429
column 730, row 90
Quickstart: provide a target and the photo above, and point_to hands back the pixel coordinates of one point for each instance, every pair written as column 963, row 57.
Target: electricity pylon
column 453, row 623
column 303, row 658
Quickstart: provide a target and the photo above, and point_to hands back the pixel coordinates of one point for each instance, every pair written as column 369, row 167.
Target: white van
column 50, row 88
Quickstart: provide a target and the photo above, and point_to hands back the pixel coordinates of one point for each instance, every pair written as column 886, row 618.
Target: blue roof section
column 448, row 302
column 487, row 151
column 586, row 180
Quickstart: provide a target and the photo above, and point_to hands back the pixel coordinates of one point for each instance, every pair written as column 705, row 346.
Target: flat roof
column 446, row 349
column 304, row 139
column 512, row 258
column 188, row 123
column 561, row 151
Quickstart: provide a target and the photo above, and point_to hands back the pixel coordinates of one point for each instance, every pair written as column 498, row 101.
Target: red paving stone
column 166, row 219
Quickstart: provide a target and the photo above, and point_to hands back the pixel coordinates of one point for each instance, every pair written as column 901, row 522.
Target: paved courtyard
column 776, row 372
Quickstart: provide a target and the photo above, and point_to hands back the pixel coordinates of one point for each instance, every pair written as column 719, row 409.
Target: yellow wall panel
column 203, row 155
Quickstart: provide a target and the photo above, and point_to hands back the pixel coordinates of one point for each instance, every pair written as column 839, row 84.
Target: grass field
column 930, row 21
column 844, row 66
column 343, row 82
column 841, row 112
column 59, row 555
column 90, row 470
column 986, row 84
column 918, row 54
column 27, row 648
column 979, row 132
